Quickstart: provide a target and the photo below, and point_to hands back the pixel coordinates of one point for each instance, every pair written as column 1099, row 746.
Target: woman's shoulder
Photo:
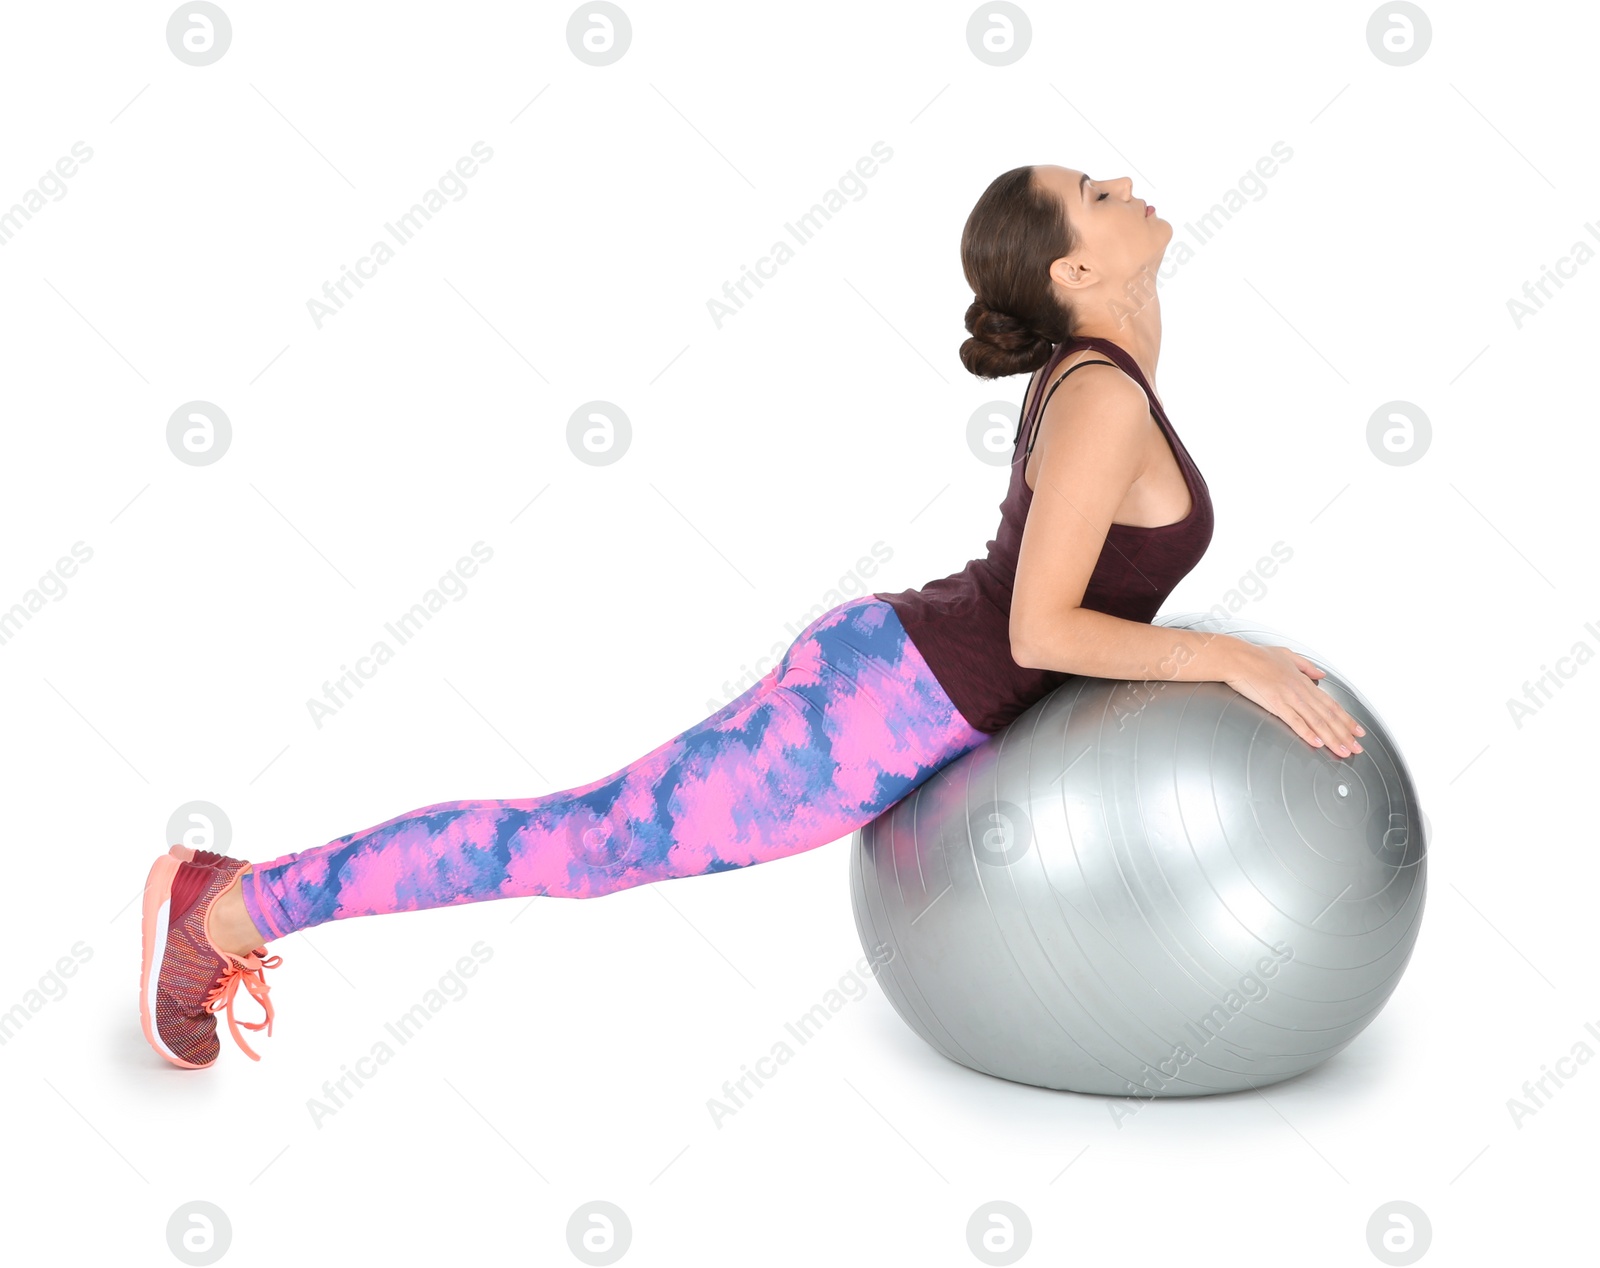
column 1062, row 365
column 1060, row 393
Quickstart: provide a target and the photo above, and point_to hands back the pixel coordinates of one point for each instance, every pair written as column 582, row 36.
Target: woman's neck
column 1136, row 333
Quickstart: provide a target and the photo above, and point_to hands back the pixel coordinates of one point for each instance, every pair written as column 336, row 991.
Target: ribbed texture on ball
column 1148, row 889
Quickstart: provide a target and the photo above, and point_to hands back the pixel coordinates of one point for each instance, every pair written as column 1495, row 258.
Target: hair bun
column 1001, row 344
column 1001, row 329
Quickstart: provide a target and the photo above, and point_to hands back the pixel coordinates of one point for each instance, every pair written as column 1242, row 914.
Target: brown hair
column 1016, row 229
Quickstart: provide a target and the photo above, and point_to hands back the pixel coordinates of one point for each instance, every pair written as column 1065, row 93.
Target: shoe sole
column 157, row 912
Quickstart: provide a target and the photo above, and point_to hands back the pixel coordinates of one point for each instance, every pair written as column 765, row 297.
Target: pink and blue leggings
column 848, row 722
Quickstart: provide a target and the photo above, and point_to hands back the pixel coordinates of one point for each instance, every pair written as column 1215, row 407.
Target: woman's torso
column 1161, row 495
column 961, row 623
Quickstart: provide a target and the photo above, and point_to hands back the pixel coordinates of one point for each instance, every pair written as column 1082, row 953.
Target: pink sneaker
column 188, row 854
column 185, row 978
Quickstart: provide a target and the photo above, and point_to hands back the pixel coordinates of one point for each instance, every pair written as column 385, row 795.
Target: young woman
column 1105, row 514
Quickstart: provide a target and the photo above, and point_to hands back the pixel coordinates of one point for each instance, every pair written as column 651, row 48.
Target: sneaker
column 185, row 979
column 188, row 854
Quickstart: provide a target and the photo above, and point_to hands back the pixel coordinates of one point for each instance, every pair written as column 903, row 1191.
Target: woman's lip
column 1149, row 209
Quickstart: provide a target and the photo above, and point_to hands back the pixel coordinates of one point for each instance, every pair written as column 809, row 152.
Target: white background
column 767, row 457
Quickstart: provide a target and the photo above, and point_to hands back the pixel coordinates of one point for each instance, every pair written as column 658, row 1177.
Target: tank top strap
column 1126, row 363
column 1033, row 433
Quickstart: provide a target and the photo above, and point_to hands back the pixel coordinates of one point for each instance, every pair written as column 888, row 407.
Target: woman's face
column 1119, row 236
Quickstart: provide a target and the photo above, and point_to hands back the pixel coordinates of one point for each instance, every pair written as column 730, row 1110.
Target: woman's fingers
column 1300, row 726
column 1289, row 688
column 1348, row 726
column 1336, row 727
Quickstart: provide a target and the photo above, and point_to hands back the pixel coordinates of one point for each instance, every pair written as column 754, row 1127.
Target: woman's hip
column 870, row 692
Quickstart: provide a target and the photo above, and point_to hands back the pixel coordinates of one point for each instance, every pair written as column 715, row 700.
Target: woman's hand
column 1284, row 683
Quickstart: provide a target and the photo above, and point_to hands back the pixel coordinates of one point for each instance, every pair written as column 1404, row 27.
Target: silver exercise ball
column 1148, row 889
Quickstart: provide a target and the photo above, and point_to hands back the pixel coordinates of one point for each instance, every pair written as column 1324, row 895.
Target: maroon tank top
column 962, row 623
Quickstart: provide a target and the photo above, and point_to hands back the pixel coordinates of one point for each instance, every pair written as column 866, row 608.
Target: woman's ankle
column 228, row 924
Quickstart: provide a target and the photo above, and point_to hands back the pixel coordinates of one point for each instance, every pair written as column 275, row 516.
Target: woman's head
column 1041, row 246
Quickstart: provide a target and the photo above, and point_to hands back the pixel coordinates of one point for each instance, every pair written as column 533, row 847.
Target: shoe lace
column 245, row 971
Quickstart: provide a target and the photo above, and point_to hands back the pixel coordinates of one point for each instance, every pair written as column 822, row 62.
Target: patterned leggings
column 848, row 722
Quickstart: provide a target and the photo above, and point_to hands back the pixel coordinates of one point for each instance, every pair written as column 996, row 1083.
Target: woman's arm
column 1098, row 645
column 1092, row 442
column 1091, row 445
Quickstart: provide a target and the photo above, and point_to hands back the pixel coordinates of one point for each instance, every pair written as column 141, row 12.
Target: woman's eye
column 1103, row 194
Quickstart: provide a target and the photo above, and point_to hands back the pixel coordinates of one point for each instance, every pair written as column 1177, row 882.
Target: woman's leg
column 849, row 722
